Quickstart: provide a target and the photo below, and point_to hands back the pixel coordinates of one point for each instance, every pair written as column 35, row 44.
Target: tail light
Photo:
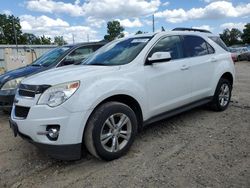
column 234, row 58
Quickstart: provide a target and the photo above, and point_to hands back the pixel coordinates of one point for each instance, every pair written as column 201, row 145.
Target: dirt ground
column 199, row 148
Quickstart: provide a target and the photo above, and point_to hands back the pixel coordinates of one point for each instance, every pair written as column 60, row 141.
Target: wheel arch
column 125, row 99
column 229, row 77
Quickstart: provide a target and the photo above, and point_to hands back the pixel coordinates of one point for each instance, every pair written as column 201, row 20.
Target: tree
column 246, row 34
column 45, row 40
column 114, row 30
column 29, row 38
column 59, row 40
column 231, row 37
column 10, row 24
column 139, row 32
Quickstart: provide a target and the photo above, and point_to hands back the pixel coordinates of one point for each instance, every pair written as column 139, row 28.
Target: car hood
column 67, row 74
column 20, row 72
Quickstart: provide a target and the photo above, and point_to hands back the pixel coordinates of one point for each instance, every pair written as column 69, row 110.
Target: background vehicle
column 242, row 53
column 127, row 84
column 61, row 56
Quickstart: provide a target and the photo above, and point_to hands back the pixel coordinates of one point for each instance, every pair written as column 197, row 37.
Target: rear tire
column 110, row 131
column 222, row 96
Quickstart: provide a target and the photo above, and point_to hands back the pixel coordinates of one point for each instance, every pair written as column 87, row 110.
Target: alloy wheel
column 116, row 132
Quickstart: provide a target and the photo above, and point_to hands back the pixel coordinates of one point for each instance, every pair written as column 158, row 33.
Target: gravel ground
column 199, row 148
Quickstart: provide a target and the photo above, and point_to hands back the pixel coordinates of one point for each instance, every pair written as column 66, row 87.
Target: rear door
column 201, row 60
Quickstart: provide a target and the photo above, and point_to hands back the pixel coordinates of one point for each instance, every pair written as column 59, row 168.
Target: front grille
column 21, row 111
column 31, row 90
column 26, row 93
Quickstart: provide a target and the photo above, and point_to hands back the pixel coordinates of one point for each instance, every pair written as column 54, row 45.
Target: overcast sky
column 89, row 17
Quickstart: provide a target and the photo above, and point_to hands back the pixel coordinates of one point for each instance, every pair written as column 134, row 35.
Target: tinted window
column 77, row 55
column 81, row 53
column 210, row 49
column 170, row 44
column 218, row 41
column 119, row 52
column 195, row 46
column 96, row 47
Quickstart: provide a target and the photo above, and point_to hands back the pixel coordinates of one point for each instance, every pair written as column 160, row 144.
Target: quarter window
column 210, row 49
column 170, row 44
column 218, row 41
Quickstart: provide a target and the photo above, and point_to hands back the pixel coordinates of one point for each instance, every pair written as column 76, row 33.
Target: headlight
column 58, row 94
column 12, row 84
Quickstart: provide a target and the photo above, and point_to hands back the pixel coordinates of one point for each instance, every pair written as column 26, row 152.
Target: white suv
column 127, row 84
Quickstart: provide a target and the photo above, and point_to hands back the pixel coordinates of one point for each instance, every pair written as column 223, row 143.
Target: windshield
column 118, row 52
column 50, row 57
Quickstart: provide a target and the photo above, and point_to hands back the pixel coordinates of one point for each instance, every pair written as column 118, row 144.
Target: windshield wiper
column 37, row 65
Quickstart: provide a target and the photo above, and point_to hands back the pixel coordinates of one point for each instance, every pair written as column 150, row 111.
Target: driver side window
column 77, row 55
column 172, row 44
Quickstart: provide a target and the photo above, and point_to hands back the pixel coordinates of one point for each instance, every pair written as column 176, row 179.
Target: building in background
column 12, row 58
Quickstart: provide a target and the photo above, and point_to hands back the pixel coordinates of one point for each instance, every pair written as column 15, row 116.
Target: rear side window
column 81, row 53
column 196, row 46
column 172, row 44
column 218, row 41
column 96, row 47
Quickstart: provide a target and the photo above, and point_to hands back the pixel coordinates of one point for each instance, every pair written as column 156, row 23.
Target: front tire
column 110, row 131
column 222, row 96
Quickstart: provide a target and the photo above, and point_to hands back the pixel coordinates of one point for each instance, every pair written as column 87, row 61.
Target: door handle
column 184, row 67
column 213, row 60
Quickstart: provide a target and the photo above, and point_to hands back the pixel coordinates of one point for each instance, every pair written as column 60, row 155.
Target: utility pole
column 14, row 28
column 73, row 37
column 87, row 37
column 153, row 22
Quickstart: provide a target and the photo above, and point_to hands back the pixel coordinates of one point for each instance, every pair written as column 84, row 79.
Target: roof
column 85, row 44
column 191, row 29
column 176, row 32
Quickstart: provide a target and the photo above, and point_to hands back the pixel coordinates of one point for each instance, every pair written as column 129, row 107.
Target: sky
column 87, row 19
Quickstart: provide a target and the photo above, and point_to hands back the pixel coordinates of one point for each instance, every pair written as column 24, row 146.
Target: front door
column 168, row 83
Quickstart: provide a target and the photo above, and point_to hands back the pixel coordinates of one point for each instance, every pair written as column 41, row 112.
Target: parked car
column 241, row 53
column 124, row 86
column 248, row 47
column 61, row 56
column 244, row 54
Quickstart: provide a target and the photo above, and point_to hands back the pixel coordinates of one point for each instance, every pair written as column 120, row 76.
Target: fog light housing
column 53, row 132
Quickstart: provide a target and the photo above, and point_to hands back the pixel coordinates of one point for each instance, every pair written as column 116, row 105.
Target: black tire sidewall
column 217, row 92
column 101, row 115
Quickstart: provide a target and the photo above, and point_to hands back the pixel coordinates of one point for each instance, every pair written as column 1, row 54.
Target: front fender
column 90, row 96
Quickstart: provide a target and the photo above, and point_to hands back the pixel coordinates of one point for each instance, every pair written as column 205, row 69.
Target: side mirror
column 159, row 57
column 67, row 61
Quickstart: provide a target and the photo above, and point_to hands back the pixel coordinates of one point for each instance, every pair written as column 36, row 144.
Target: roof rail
column 191, row 29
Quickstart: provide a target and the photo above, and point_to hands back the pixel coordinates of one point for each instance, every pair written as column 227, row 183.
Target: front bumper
column 35, row 119
column 62, row 152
